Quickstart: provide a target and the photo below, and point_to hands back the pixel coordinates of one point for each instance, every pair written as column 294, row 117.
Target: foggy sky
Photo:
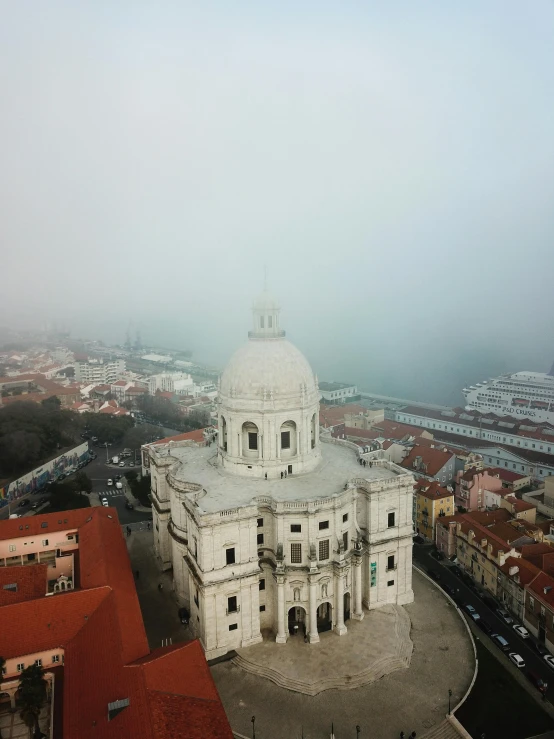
column 391, row 164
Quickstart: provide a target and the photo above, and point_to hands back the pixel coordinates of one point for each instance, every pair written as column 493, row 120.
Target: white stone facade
column 256, row 551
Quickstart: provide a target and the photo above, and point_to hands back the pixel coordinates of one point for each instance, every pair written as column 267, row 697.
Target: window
column 233, row 627
column 323, row 525
column 12, row 547
column 270, row 321
column 295, row 528
column 285, row 439
column 196, row 598
column 260, row 538
column 296, row 553
column 261, row 322
column 230, row 556
column 31, row 557
column 232, row 604
column 390, row 562
column 344, row 517
column 345, row 541
column 262, row 584
column 45, row 542
column 260, row 522
column 44, row 525
column 390, row 520
column 70, row 537
column 10, row 586
column 20, row 666
column 252, row 440
column 262, row 609
column 390, row 582
column 38, row 662
column 324, row 549
column 55, row 658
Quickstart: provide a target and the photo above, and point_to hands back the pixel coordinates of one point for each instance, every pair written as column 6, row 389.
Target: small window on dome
column 270, row 321
column 261, row 321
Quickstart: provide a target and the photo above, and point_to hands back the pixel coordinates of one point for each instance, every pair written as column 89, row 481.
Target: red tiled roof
column 506, row 475
column 13, row 528
column 31, row 583
column 431, row 490
column 527, row 570
column 434, row 459
column 520, row 505
column 361, row 433
column 46, row 623
column 196, row 435
column 538, row 585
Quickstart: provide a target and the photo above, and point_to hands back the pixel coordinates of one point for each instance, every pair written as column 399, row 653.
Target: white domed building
column 273, row 529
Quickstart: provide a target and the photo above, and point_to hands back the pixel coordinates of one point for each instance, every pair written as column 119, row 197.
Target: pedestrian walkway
column 112, row 493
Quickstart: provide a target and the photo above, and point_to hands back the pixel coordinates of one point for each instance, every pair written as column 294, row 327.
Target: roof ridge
column 183, row 695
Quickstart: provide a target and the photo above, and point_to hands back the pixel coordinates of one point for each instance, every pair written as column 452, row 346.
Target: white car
column 521, row 630
column 517, row 660
column 549, row 659
column 118, row 485
column 470, row 609
column 105, row 502
column 110, row 482
column 122, row 464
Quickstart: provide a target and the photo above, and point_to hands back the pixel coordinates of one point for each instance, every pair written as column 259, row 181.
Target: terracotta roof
column 31, row 583
column 520, row 505
column 45, row 623
column 360, row 433
column 433, row 459
column 527, row 570
column 331, row 414
column 431, row 490
column 506, row 475
column 196, row 435
column 541, row 583
column 13, row 528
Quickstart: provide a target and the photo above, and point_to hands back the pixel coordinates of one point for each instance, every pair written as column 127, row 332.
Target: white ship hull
column 521, row 395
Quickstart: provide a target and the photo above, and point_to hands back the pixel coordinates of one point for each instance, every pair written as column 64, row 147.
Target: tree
column 83, row 483
column 32, row 697
column 136, row 437
column 52, row 402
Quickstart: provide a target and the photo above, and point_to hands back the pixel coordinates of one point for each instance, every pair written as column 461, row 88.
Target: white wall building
column 171, row 382
column 274, row 528
column 99, row 372
column 334, row 393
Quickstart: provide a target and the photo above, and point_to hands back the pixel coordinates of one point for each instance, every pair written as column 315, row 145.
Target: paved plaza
column 407, row 699
column 12, row 726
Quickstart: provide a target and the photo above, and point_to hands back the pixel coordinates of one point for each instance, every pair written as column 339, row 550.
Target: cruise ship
column 521, row 395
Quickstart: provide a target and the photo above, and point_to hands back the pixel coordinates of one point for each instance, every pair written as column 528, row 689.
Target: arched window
column 288, row 439
column 313, row 431
column 223, row 434
column 250, row 440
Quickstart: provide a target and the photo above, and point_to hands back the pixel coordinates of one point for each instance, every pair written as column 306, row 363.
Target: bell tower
column 265, row 313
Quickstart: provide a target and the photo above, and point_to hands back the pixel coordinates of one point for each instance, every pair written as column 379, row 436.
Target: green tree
column 52, row 402
column 83, row 483
column 134, row 438
column 32, row 697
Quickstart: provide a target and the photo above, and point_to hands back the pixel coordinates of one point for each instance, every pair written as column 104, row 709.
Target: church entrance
column 325, row 617
column 346, row 606
column 297, row 621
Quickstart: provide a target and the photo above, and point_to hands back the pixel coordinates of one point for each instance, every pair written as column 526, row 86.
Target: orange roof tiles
column 31, row 583
column 196, row 435
column 431, row 490
column 433, row 459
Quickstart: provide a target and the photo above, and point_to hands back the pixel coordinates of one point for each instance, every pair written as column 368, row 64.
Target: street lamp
column 449, row 697
column 253, row 719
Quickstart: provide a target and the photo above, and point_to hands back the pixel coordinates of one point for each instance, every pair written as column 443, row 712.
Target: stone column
column 313, row 635
column 281, row 633
column 358, row 609
column 340, row 628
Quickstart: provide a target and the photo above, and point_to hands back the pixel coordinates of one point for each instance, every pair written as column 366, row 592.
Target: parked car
column 484, row 626
column 517, row 659
column 504, row 615
column 476, row 617
column 119, row 485
column 500, row 642
column 105, row 502
column 122, row 464
column 129, row 506
column 537, row 681
column 539, row 648
column 23, row 503
column 447, row 589
column 437, row 554
column 521, row 630
column 110, row 482
column 549, row 659
column 469, row 608
column 457, row 571
column 117, row 477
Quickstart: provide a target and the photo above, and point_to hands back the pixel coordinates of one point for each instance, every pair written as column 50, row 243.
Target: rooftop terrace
column 339, row 464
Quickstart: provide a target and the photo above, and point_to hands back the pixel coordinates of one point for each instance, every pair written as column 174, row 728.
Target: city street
column 422, row 557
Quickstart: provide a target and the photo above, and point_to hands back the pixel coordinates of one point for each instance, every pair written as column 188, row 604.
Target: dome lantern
column 265, row 313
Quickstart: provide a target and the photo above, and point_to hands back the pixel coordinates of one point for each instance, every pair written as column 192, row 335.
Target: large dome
column 271, row 366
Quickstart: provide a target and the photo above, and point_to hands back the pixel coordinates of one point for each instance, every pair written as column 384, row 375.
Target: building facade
column 275, row 529
column 99, row 372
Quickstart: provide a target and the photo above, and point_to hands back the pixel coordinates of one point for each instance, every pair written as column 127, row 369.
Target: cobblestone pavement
column 412, row 699
column 12, row 727
column 159, row 608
